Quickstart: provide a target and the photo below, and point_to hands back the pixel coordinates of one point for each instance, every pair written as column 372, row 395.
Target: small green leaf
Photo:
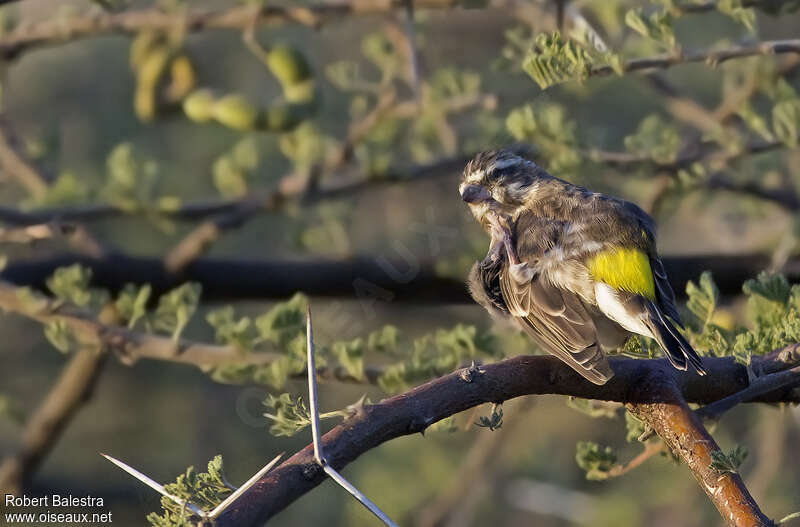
column 786, row 121
column 657, row 26
column 289, row 415
column 351, row 356
column 635, row 428
column 703, row 298
column 729, row 462
column 71, row 284
column 656, row 139
column 493, row 421
column 205, row 489
column 595, row 460
column 176, row 307
column 554, row 60
column 61, row 335
column 285, row 321
column 131, row 303
column 228, row 330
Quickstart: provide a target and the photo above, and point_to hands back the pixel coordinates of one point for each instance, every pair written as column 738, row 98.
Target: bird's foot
column 510, row 251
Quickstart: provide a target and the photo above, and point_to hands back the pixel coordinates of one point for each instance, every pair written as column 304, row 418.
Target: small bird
column 576, row 270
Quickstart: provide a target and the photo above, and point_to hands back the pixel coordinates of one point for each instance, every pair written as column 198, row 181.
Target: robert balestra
column 53, row 500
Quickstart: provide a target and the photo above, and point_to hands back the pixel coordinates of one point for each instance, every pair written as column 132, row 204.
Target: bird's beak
column 474, row 194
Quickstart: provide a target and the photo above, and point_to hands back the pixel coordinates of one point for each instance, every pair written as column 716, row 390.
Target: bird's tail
column 679, row 352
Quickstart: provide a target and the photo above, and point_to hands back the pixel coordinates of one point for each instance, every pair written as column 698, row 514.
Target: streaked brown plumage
column 546, row 234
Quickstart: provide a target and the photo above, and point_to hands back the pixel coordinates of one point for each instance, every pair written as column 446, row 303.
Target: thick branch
column 68, row 394
column 666, row 412
column 239, row 279
column 417, row 409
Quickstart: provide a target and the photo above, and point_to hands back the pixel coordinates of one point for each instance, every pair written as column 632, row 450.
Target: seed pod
column 199, row 106
column 148, row 75
column 288, row 65
column 236, row 112
column 153, row 65
column 141, row 46
column 182, row 78
column 301, row 92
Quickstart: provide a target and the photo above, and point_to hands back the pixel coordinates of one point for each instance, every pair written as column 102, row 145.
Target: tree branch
column 132, row 346
column 72, row 389
column 230, row 279
column 414, row 411
column 16, row 163
column 58, row 30
column 713, row 57
column 662, row 407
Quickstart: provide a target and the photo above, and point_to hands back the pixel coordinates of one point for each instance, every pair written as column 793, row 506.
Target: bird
column 576, row 270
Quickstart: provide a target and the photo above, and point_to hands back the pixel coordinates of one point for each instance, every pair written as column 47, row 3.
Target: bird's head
column 499, row 181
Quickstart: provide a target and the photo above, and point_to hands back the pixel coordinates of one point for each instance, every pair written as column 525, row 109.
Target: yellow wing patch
column 624, row 269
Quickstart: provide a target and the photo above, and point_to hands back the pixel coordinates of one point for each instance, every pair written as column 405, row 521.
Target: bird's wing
column 665, row 296
column 559, row 322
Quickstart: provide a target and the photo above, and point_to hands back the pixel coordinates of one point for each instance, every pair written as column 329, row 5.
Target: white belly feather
column 610, row 303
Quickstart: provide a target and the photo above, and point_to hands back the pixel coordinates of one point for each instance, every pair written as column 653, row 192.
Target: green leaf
column 595, row 460
column 71, row 284
column 131, row 303
column 736, row 10
column 205, row 489
column 554, row 60
column 351, row 356
column 176, row 307
column 344, row 74
column 61, row 335
column 228, row 330
column 655, row 139
column 729, row 462
column 383, row 340
column 754, row 121
column 767, row 297
column 381, row 52
column 229, row 179
column 493, row 421
column 131, row 182
column 289, row 415
column 67, row 189
column 657, row 26
column 284, row 322
column 634, row 427
column 786, row 121
column 703, row 298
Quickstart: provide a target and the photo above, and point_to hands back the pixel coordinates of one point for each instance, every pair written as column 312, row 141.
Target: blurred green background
column 73, row 105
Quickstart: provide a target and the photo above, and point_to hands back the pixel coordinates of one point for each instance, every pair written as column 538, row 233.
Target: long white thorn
column 314, row 409
column 219, row 509
column 312, row 390
column 346, row 485
column 158, row 487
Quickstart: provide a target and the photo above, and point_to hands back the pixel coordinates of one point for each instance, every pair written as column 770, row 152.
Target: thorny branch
column 655, row 391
